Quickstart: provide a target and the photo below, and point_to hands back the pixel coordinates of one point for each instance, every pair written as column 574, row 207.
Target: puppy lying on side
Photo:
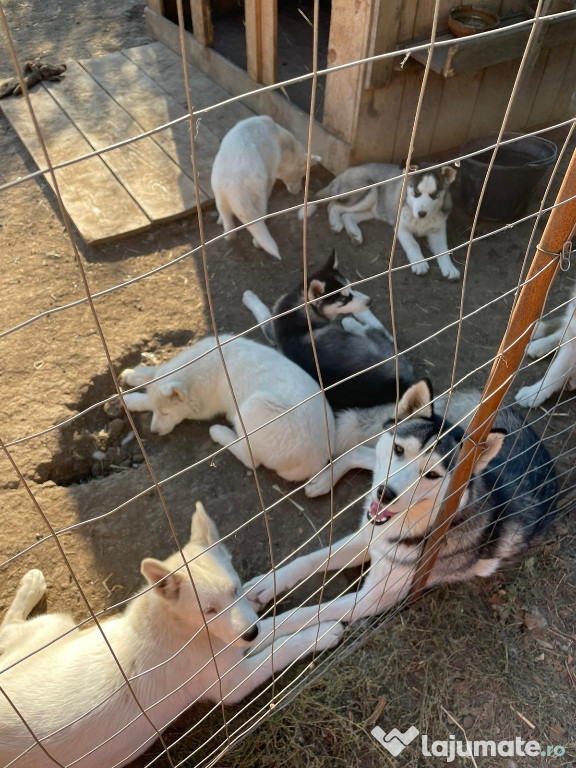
column 72, row 694
column 548, row 336
column 253, row 154
column 266, row 385
column 355, row 352
column 508, row 503
column 426, row 205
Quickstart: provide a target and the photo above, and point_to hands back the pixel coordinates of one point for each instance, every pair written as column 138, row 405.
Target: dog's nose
column 421, row 214
column 385, row 494
column 251, row 634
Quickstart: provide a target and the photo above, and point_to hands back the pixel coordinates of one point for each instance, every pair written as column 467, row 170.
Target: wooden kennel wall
column 369, row 109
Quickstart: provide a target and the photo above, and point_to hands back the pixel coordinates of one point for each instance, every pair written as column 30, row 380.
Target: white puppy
column 178, row 642
column 253, row 154
column 550, row 335
column 267, row 387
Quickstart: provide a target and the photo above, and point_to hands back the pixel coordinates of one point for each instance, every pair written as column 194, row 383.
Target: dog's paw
column 541, row 347
column 451, row 272
column 420, row 267
column 34, row 583
column 126, row 376
column 259, row 591
column 356, row 239
column 531, row 396
column 329, row 634
column 319, row 485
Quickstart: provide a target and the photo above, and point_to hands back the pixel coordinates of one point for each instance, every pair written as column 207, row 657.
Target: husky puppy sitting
column 507, row 504
column 549, row 336
column 425, row 208
column 252, row 155
column 356, row 357
column 267, row 387
column 181, row 640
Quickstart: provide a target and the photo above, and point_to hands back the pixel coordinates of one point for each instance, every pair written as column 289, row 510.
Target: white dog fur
column 266, row 385
column 253, row 154
column 67, row 686
column 548, row 336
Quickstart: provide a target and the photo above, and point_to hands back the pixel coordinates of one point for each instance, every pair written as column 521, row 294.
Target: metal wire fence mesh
column 90, row 493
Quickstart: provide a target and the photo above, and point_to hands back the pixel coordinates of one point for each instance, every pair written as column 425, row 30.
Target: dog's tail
column 263, row 239
column 261, row 313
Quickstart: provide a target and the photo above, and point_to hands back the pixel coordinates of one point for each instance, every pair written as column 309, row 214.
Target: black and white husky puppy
column 356, row 356
column 426, row 205
column 508, row 502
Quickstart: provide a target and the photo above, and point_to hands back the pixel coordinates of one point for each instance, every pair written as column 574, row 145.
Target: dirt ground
column 55, row 367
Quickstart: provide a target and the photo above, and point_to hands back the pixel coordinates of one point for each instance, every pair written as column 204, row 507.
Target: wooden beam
column 350, row 31
column 383, row 38
column 202, row 22
column 261, row 18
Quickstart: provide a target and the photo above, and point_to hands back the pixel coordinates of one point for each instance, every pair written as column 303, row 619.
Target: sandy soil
column 55, row 367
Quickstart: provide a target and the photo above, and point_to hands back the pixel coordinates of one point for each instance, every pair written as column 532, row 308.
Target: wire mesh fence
column 329, row 501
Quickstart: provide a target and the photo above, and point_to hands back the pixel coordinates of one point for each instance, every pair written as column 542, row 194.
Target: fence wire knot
column 564, row 254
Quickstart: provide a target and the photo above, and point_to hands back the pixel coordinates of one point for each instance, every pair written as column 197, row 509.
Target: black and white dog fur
column 508, row 503
column 425, row 208
column 348, row 339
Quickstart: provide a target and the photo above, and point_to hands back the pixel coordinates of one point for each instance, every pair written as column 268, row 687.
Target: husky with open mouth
column 508, row 502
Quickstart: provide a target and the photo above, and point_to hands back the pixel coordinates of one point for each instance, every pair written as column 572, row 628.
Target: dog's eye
column 432, row 475
column 416, row 193
column 210, row 611
column 398, row 450
column 434, row 195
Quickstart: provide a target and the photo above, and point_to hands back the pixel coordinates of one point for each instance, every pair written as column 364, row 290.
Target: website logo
column 395, row 741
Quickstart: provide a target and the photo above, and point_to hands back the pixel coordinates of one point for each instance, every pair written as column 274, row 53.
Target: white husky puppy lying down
column 267, row 387
column 252, row 155
column 68, row 687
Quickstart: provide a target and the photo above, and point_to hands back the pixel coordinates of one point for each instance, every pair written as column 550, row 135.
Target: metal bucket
column 517, row 169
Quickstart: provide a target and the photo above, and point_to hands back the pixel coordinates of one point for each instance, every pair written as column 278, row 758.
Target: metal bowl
column 468, row 20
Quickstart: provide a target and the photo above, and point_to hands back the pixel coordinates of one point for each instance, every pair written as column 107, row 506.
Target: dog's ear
column 166, row 583
column 173, row 390
column 332, row 262
column 448, row 174
column 203, row 530
column 490, row 449
column 417, row 400
column 316, row 289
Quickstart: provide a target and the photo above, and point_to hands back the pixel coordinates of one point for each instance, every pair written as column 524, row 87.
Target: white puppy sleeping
column 268, row 388
column 252, row 155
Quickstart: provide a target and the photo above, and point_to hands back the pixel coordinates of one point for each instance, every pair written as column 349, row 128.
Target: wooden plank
column 165, row 68
column 151, row 106
column 563, row 108
column 493, row 96
column 484, row 50
column 383, row 38
column 546, row 94
column 97, row 203
column 161, row 188
column 261, row 22
column 202, row 22
column 455, row 110
column 376, row 134
column 334, row 150
column 349, row 38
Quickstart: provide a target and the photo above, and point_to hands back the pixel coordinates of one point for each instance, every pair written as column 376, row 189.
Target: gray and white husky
column 355, row 352
column 508, row 503
column 425, row 208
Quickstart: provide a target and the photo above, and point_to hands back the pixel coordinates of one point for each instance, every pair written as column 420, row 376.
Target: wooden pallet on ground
column 108, row 99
